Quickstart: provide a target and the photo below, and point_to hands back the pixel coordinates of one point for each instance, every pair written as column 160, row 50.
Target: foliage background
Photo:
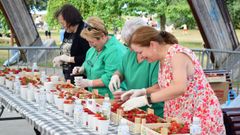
column 115, row 12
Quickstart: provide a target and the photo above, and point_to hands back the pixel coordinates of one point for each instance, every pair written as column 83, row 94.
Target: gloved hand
column 65, row 58
column 117, row 95
column 57, row 62
column 78, row 70
column 114, row 83
column 133, row 93
column 83, row 83
column 135, row 102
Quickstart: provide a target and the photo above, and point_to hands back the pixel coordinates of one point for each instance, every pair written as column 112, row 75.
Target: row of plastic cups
column 29, row 92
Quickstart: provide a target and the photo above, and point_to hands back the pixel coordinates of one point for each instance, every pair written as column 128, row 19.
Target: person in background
column 102, row 58
column 47, row 30
column 185, row 29
column 182, row 82
column 73, row 47
column 136, row 72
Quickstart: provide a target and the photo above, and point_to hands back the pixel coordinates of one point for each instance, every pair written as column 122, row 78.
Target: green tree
column 180, row 13
column 234, row 9
column 167, row 11
column 37, row 4
column 53, row 6
column 4, row 24
column 109, row 11
column 32, row 5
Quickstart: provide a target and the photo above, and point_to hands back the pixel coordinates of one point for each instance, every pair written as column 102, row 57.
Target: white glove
column 57, row 62
column 117, row 95
column 65, row 58
column 114, row 83
column 78, row 70
column 135, row 102
column 83, row 83
column 133, row 93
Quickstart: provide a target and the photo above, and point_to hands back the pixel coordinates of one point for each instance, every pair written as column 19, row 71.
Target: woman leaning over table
column 136, row 72
column 183, row 85
column 102, row 58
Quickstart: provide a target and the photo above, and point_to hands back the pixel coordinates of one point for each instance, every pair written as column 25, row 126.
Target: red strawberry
column 102, row 118
column 68, row 102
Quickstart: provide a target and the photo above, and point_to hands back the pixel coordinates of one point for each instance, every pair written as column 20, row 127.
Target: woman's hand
column 83, row 83
column 78, row 70
column 133, row 93
column 66, row 58
column 114, row 83
column 117, row 95
column 57, row 62
column 135, row 102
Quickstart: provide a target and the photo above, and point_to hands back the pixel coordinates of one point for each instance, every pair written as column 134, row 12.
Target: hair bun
column 163, row 33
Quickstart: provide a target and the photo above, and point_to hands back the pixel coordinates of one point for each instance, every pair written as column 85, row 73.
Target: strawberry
column 68, row 102
column 102, row 118
column 53, row 90
column 98, row 115
column 2, row 73
column 35, row 70
column 184, row 129
column 151, row 118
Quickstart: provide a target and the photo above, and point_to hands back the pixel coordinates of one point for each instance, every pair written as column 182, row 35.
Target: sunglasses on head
column 90, row 28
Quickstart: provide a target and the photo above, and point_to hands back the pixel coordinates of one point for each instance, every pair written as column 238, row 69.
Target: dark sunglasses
column 90, row 28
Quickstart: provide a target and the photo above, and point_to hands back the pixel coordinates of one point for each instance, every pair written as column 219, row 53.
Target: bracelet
column 149, row 99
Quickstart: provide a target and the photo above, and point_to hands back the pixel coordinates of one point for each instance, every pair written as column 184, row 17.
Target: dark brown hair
column 70, row 14
column 145, row 34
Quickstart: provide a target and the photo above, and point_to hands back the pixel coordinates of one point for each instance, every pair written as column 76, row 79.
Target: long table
column 51, row 122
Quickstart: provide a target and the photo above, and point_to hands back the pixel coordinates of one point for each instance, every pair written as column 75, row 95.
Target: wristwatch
column 149, row 99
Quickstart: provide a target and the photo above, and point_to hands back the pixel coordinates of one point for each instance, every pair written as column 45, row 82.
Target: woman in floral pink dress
column 182, row 83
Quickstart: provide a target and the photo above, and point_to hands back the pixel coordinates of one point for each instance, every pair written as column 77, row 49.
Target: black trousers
column 67, row 74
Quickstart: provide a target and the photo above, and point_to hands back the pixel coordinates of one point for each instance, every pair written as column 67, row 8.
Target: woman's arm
column 152, row 89
column 179, row 83
column 98, row 83
column 119, row 74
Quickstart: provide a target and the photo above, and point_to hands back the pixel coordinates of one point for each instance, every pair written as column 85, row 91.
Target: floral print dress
column 199, row 100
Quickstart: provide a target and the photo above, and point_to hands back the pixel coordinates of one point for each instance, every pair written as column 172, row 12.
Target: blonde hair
column 95, row 28
column 145, row 34
column 130, row 27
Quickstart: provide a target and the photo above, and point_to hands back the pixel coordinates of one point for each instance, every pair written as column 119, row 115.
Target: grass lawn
column 191, row 39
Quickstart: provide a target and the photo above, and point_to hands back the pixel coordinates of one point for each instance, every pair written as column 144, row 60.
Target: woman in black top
column 74, row 47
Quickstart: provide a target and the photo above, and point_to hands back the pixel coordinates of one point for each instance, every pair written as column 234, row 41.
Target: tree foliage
column 106, row 10
column 4, row 25
column 234, row 9
column 37, row 4
column 32, row 5
column 175, row 12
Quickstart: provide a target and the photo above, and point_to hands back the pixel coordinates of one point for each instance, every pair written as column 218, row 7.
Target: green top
column 101, row 65
column 140, row 75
